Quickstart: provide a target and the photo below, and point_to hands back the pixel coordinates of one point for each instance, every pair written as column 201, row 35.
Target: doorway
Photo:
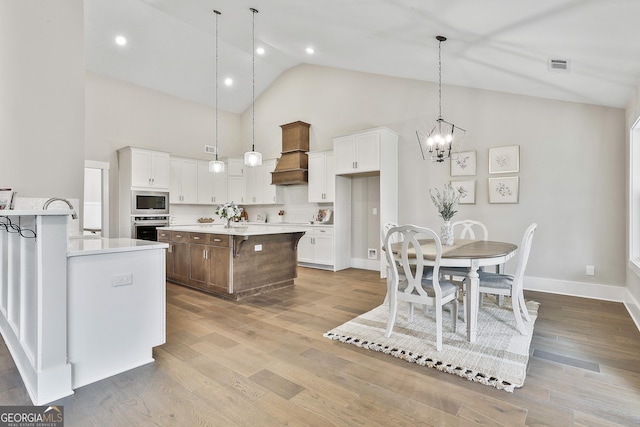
column 96, row 198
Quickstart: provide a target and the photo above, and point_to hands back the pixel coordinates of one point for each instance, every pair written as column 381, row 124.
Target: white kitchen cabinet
column 360, row 152
column 183, row 186
column 316, row 247
column 321, row 177
column 236, row 189
column 212, row 187
column 254, row 185
column 258, row 187
column 235, row 166
column 273, row 194
column 149, row 169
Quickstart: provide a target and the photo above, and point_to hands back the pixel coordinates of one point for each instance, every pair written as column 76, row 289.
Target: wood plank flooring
column 264, row 362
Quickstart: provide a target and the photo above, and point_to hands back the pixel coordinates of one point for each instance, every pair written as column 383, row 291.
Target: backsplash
column 296, row 209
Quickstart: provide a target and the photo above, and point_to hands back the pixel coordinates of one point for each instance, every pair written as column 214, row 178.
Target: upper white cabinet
column 212, row 187
column 272, row 194
column 253, row 185
column 360, row 152
column 183, row 186
column 146, row 168
column 321, row 177
column 235, row 166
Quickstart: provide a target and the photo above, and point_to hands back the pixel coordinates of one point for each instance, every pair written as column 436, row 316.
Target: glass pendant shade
column 252, row 158
column 216, row 166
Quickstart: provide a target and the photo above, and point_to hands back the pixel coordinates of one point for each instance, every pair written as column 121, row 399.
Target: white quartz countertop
column 80, row 247
column 238, row 230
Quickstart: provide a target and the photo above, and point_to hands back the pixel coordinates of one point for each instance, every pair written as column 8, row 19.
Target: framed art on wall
column 504, row 159
column 504, row 190
column 469, row 196
column 463, row 164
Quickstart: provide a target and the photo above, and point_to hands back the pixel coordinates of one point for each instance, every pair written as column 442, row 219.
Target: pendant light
column 216, row 166
column 441, row 139
column 253, row 158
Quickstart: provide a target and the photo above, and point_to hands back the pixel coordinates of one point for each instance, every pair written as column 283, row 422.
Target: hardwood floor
column 264, row 362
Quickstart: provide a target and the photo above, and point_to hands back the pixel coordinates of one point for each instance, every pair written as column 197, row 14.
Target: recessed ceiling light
column 228, row 81
column 310, row 50
column 260, row 51
column 121, row 40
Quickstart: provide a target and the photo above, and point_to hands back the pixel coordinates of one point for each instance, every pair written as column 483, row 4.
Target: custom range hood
column 292, row 167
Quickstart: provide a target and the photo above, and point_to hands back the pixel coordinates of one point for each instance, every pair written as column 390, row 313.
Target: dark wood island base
column 232, row 263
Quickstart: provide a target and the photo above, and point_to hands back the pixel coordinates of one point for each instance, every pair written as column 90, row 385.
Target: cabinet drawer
column 164, row 236
column 202, row 238
column 323, row 231
column 221, row 240
column 179, row 236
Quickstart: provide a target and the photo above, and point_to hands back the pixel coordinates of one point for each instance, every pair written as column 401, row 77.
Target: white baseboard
column 365, row 264
column 587, row 290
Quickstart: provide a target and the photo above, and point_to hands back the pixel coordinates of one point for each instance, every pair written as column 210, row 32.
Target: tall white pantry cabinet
column 371, row 152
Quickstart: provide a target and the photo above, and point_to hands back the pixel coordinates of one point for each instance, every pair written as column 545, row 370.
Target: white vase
column 228, row 224
column 446, row 233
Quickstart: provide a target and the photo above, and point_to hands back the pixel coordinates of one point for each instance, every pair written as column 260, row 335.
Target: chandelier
column 441, row 139
column 253, row 158
column 216, row 166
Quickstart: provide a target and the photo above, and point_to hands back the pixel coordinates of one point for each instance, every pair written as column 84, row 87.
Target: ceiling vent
column 292, row 167
column 561, row 65
column 210, row 149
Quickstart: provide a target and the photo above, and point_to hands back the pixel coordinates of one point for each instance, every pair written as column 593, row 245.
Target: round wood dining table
column 471, row 254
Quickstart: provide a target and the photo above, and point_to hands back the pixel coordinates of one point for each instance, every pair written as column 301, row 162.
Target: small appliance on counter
column 325, row 216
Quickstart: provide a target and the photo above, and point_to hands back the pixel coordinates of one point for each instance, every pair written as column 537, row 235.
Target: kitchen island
column 232, row 262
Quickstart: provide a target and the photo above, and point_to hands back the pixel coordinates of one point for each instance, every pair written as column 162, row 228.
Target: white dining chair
column 468, row 229
column 414, row 288
column 511, row 285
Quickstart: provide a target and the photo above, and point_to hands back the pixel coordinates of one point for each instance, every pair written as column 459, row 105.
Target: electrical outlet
column 257, row 248
column 591, row 270
column 122, row 279
column 375, row 211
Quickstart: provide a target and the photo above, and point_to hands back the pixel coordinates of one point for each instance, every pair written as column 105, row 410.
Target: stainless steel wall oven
column 144, row 227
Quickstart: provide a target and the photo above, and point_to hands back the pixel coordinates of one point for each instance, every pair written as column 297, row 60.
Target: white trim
column 365, row 264
column 587, row 290
column 576, row 289
column 633, row 308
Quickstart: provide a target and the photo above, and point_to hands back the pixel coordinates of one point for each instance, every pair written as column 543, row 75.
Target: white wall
column 632, row 114
column 572, row 158
column 120, row 114
column 572, row 155
column 42, row 98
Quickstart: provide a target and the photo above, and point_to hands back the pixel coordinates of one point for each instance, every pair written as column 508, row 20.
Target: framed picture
column 6, row 198
column 469, row 196
column 504, row 159
column 463, row 164
column 504, row 190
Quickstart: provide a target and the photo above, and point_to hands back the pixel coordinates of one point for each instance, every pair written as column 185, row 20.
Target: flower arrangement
column 229, row 211
column 447, row 201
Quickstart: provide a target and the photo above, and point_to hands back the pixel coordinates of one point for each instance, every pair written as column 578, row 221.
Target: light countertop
column 237, row 230
column 80, row 247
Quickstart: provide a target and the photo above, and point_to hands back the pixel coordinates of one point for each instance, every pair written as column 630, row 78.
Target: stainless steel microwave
column 149, row 202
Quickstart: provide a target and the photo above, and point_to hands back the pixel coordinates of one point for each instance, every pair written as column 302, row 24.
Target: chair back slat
column 468, row 229
column 523, row 254
column 409, row 260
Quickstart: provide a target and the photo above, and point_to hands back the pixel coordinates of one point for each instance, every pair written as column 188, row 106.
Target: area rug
column 498, row 358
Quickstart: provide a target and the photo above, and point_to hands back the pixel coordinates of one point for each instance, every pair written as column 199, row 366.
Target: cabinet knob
column 217, row 240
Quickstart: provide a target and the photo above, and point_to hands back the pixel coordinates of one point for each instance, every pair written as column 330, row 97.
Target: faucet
column 74, row 215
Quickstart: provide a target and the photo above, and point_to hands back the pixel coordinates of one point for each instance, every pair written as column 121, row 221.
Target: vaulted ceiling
column 500, row 45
